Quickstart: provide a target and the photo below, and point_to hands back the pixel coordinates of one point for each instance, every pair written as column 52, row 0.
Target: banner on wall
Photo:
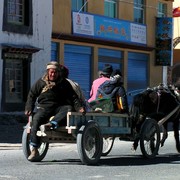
column 83, row 24
column 108, row 28
column 164, row 41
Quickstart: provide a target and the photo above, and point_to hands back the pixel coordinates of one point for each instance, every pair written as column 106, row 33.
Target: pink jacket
column 95, row 85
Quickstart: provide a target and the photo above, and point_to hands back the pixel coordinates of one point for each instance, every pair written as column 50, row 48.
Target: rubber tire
column 89, row 138
column 107, row 149
column 147, row 139
column 43, row 148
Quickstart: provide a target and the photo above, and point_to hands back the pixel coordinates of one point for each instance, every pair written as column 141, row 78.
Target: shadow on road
column 135, row 160
column 128, row 160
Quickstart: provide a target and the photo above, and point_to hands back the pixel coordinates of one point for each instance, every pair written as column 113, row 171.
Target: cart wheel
column 43, row 148
column 89, row 143
column 107, row 145
column 150, row 138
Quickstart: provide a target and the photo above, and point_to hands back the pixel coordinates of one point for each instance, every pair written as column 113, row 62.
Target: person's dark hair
column 116, row 72
column 64, row 71
column 107, row 70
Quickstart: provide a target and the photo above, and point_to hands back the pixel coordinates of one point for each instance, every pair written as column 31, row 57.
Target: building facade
column 88, row 34
column 25, row 46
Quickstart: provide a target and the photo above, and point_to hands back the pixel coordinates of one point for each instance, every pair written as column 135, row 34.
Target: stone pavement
column 11, row 128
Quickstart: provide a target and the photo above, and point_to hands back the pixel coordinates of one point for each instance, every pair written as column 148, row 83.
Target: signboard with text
column 108, row 28
column 164, row 39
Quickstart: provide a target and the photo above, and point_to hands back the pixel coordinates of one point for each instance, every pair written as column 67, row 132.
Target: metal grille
column 13, row 80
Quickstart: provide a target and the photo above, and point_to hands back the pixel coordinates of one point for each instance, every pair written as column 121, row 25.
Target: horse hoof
column 133, row 148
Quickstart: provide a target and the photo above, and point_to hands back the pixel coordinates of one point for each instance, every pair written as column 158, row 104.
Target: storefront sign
column 164, row 37
column 108, row 28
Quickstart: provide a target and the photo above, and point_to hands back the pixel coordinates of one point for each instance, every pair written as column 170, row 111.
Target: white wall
column 42, row 23
column 41, row 38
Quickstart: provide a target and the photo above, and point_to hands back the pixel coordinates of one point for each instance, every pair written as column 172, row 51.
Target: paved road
column 63, row 163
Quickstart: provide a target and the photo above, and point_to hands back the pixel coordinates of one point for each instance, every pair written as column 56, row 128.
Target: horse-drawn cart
column 94, row 134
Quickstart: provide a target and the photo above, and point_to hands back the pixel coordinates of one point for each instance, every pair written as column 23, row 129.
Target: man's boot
column 34, row 154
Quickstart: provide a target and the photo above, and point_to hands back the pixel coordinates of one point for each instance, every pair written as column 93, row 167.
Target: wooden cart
column 94, row 134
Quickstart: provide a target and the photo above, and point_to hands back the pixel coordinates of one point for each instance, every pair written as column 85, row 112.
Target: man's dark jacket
column 60, row 94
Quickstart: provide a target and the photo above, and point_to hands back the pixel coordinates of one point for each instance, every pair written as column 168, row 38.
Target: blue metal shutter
column 54, row 51
column 137, row 72
column 107, row 56
column 77, row 59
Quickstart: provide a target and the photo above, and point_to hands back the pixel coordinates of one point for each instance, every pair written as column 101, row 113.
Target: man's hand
column 82, row 110
column 28, row 113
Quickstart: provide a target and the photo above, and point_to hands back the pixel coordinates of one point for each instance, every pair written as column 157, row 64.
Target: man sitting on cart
column 54, row 97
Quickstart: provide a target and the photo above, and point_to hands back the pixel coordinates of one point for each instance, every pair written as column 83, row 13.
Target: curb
column 18, row 146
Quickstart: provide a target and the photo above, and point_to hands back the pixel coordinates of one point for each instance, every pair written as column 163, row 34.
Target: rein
column 159, row 95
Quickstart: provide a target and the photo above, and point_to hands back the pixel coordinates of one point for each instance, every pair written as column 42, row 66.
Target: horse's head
column 175, row 91
column 168, row 99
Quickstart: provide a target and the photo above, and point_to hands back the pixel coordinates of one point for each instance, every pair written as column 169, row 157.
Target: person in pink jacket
column 104, row 75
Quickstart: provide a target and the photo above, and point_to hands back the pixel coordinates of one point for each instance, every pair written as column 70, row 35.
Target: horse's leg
column 135, row 144
column 176, row 133
column 165, row 134
column 136, row 140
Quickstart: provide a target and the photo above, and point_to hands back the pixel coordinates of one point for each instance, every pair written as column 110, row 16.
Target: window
column 15, row 11
column 162, row 9
column 110, row 8
column 18, row 16
column 139, row 11
column 79, row 5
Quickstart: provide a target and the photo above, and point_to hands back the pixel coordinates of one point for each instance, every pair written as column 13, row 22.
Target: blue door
column 137, row 73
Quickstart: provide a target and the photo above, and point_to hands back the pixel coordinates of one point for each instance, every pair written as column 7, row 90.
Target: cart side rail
column 109, row 123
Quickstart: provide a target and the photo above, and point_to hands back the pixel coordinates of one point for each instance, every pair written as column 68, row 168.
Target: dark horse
column 156, row 103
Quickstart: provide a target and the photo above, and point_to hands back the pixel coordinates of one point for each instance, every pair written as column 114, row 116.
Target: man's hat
column 52, row 65
column 107, row 70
